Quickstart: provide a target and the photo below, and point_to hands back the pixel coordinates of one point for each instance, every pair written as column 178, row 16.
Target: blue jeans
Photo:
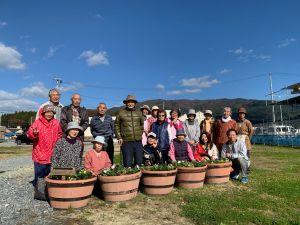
column 132, row 150
column 40, row 171
column 240, row 165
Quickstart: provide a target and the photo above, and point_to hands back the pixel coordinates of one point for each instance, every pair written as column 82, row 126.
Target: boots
column 40, row 190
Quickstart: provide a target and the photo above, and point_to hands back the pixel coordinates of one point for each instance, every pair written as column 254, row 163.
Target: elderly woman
column 206, row 149
column 68, row 150
column 175, row 123
column 44, row 132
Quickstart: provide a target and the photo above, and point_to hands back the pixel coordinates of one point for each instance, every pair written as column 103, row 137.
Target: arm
column 172, row 152
column 63, row 119
column 243, row 150
column 223, row 152
column 107, row 163
column 197, row 136
column 118, row 127
column 30, row 134
column 85, row 119
column 112, row 126
column 88, row 162
column 169, row 133
column 55, row 159
column 214, row 152
column 190, row 152
column 251, row 130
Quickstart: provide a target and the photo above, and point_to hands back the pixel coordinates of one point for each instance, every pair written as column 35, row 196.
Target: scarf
column 226, row 120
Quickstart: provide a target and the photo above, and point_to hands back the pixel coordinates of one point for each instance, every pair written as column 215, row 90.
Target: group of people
column 146, row 136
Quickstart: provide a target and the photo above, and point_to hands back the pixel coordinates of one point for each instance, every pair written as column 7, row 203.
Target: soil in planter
column 190, row 177
column 158, row 182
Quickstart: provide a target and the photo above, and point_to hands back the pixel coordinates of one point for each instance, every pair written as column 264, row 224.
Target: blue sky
column 153, row 49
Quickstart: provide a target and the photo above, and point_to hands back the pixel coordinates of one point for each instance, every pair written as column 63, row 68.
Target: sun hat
column 192, row 112
column 99, row 139
column 130, row 98
column 48, row 108
column 74, row 125
column 145, row 107
column 242, row 110
column 180, row 132
column 208, row 112
column 155, row 107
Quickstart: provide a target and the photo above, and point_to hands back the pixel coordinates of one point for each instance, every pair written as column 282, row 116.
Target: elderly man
column 236, row 151
column 192, row 128
column 129, row 127
column 54, row 97
column 103, row 125
column 244, row 129
column 74, row 113
column 222, row 126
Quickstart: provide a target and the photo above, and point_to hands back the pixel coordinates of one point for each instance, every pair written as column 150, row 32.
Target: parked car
column 22, row 138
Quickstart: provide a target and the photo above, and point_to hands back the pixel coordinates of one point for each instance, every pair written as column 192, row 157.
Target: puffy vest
column 181, row 150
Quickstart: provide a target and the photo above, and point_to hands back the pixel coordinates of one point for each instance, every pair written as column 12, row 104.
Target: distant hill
column 258, row 112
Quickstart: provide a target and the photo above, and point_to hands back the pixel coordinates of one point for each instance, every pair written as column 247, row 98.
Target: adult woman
column 68, row 150
column 175, row 123
column 206, row 149
column 44, row 132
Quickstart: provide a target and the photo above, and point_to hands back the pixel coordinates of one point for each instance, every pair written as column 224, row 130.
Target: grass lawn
column 271, row 197
column 8, row 152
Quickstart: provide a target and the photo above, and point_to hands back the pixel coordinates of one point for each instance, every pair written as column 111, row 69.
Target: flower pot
column 158, row 182
column 218, row 173
column 64, row 194
column 190, row 177
column 119, row 188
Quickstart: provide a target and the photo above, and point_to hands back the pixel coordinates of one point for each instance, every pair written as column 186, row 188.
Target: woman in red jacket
column 206, row 149
column 44, row 132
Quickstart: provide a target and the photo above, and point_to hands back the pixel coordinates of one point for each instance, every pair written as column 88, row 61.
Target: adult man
column 129, row 127
column 222, row 126
column 236, row 151
column 54, row 97
column 103, row 125
column 162, row 129
column 192, row 128
column 74, row 113
column 244, row 129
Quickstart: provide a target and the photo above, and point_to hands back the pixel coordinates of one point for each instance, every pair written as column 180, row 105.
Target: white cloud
column 52, row 50
column 94, row 59
column 10, row 58
column 25, row 36
column 35, row 90
column 286, row 42
column 237, row 51
column 245, row 55
column 3, row 23
column 224, row 71
column 10, row 102
column 174, row 92
column 198, row 82
column 263, row 57
column 33, row 50
column 160, row 87
column 73, row 86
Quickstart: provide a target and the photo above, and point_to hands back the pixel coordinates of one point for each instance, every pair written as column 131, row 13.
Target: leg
column 110, row 149
column 127, row 152
column 40, row 171
column 165, row 156
column 243, row 166
column 138, row 153
column 236, row 169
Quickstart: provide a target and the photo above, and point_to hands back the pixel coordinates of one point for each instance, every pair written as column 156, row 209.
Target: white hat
column 151, row 134
column 192, row 112
column 208, row 112
column 155, row 107
column 73, row 125
column 99, row 139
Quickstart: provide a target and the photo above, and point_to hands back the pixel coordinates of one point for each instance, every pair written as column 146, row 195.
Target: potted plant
column 71, row 191
column 218, row 171
column 158, row 179
column 119, row 183
column 190, row 174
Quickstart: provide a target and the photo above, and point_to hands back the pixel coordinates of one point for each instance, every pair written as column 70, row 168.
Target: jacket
column 105, row 128
column 192, row 134
column 57, row 110
column 66, row 117
column 163, row 135
column 210, row 152
column 245, row 132
column 220, row 129
column 43, row 143
column 129, row 125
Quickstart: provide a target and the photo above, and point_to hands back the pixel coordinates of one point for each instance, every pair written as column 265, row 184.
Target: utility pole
column 58, row 81
column 163, row 105
column 272, row 98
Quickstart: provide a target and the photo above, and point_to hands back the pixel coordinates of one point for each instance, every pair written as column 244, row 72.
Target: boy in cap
column 97, row 159
column 180, row 150
column 152, row 155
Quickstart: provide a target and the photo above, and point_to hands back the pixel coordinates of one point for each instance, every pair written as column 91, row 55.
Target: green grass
column 271, row 197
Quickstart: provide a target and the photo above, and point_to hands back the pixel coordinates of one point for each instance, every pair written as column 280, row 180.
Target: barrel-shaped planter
column 158, row 182
column 119, row 188
column 64, row 194
column 190, row 177
column 218, row 173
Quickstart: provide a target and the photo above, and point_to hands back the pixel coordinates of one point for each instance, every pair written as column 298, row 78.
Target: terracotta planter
column 64, row 194
column 190, row 177
column 119, row 188
column 158, row 182
column 218, row 173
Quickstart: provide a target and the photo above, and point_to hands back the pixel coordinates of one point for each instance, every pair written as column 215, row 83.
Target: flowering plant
column 189, row 164
column 79, row 175
column 160, row 167
column 119, row 170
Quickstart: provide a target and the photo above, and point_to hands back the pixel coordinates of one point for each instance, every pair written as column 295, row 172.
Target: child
column 180, row 150
column 97, row 159
column 152, row 155
column 206, row 150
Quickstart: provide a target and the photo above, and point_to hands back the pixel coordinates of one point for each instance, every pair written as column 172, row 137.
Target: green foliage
column 189, row 164
column 21, row 118
column 160, row 167
column 218, row 161
column 120, row 170
column 80, row 175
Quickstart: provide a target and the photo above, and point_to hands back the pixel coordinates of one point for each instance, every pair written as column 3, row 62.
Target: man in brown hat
column 244, row 129
column 129, row 127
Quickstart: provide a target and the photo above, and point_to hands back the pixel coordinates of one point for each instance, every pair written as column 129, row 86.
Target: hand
column 120, row 141
column 192, row 142
column 35, row 131
column 228, row 155
column 154, row 145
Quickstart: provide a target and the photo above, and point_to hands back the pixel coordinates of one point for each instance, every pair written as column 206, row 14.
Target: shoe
column 235, row 177
column 244, row 180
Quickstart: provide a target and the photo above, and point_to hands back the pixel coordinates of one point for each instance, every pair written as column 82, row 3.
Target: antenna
column 58, row 81
column 272, row 98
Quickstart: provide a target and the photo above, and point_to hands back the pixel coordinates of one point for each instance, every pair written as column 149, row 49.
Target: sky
column 168, row 49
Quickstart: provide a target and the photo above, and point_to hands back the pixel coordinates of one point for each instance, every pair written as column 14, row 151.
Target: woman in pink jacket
column 44, row 132
column 175, row 123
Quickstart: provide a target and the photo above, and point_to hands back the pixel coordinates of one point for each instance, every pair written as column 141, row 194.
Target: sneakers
column 235, row 177
column 244, row 180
